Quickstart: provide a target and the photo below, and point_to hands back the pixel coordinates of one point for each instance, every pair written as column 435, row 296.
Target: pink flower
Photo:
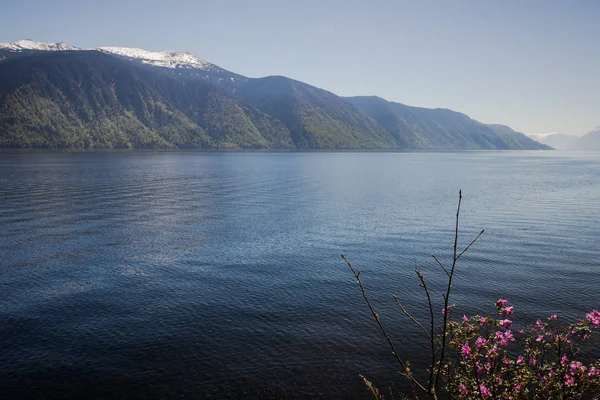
column 569, row 380
column 594, row 317
column 520, row 359
column 505, row 337
column 517, row 387
column 563, row 360
column 501, row 303
column 505, row 323
column 532, row 361
column 593, row 371
column 508, row 310
column 483, row 320
column 539, row 338
column 485, row 391
column 480, row 342
column 554, row 316
column 463, row 389
column 450, row 307
column 465, row 318
column 466, row 350
column 576, row 366
column 539, row 324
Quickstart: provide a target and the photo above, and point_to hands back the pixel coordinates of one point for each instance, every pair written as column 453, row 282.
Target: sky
column 532, row 65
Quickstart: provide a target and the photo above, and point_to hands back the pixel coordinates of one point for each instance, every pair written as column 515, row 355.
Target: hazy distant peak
column 167, row 59
column 596, row 129
column 28, row 44
column 537, row 136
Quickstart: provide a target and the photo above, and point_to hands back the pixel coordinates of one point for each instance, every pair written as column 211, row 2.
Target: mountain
column 87, row 99
column 316, row 118
column 28, row 44
column 57, row 95
column 590, row 141
column 558, row 141
column 424, row 128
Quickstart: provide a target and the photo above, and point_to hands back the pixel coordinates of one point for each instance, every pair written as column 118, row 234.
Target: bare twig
column 440, row 264
column 403, row 365
column 430, row 386
column 470, row 244
column 413, row 319
column 438, row 352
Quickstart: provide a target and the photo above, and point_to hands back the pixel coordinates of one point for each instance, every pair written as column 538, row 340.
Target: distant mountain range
column 588, row 142
column 58, row 96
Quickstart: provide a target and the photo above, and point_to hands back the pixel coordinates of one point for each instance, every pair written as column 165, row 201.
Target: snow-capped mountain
column 28, row 44
column 166, row 59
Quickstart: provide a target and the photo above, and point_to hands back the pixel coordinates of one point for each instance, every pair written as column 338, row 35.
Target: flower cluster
column 490, row 360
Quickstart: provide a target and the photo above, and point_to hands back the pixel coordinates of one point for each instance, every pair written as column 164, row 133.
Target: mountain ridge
column 215, row 108
column 589, row 141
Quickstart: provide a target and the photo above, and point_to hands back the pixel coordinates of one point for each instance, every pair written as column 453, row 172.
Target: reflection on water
column 151, row 275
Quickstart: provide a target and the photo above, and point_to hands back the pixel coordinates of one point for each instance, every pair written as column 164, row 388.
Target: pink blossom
column 594, row 317
column 505, row 323
column 539, row 324
column 508, row 310
column 517, row 387
column 463, row 389
column 520, row 359
column 483, row 320
column 569, row 380
column 501, row 303
column 593, row 371
column 465, row 318
column 480, row 342
column 485, row 391
column 450, row 307
column 505, row 337
column 466, row 351
column 554, row 316
column 532, row 361
column 576, row 367
column 563, row 360
column 539, row 338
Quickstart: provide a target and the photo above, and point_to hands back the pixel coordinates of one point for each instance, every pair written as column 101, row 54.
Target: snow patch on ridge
column 28, row 44
column 168, row 59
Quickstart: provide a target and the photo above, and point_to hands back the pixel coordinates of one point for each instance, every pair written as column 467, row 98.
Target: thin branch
column 431, row 327
column 447, row 295
column 413, row 319
column 440, row 264
column 405, row 368
column 470, row 244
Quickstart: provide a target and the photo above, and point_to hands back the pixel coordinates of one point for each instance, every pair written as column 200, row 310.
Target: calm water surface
column 204, row 275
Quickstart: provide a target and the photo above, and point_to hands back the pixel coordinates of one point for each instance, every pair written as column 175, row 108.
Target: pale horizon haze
column 532, row 65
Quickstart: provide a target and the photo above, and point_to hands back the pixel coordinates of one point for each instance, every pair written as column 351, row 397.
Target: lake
column 218, row 275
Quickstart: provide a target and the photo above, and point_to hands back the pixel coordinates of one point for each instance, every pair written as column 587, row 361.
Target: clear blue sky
column 533, row 65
